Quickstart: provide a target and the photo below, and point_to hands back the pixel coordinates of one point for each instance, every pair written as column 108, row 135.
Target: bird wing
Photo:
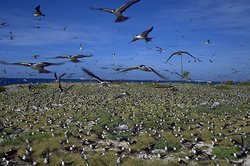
column 43, row 64
column 91, row 74
column 37, row 8
column 55, row 75
column 62, row 56
column 134, row 39
column 130, row 68
column 158, row 47
column 169, row 57
column 126, row 5
column 103, row 9
column 66, row 89
column 145, row 33
column 153, row 70
column 185, row 52
column 61, row 75
column 18, row 63
column 82, row 56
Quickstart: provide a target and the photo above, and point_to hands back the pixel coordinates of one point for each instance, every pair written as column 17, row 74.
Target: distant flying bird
column 143, row 68
column 74, row 58
column 58, row 79
column 35, row 56
column 118, row 12
column 161, row 50
column 11, row 37
column 38, row 12
column 113, row 54
column 37, row 27
column 64, row 28
column 180, row 53
column 3, row 24
column 234, row 71
column 81, row 47
column 36, row 66
column 143, row 35
column 208, row 41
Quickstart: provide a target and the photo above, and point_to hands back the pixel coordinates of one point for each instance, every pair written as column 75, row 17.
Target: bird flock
column 75, row 58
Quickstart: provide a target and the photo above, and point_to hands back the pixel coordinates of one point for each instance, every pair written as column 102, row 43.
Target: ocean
column 11, row 81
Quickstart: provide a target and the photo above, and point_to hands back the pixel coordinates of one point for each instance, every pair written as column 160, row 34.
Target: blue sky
column 178, row 25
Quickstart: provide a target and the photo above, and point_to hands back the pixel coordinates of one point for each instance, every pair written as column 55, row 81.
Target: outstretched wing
column 37, row 9
column 153, row 70
column 145, row 33
column 126, row 5
column 82, row 56
column 130, row 68
column 169, row 58
column 185, row 52
column 43, row 64
column 61, row 75
column 18, row 63
column 103, row 9
column 62, row 56
column 158, row 47
column 91, row 74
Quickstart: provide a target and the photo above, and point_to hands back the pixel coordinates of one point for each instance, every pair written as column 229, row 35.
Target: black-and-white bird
column 143, row 68
column 180, row 53
column 35, row 56
column 118, row 12
column 36, row 66
column 3, row 24
column 74, row 58
column 81, row 47
column 208, row 41
column 160, row 49
column 38, row 12
column 143, row 36
column 58, row 79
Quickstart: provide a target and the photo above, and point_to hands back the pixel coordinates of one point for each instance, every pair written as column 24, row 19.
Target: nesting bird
column 118, row 12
